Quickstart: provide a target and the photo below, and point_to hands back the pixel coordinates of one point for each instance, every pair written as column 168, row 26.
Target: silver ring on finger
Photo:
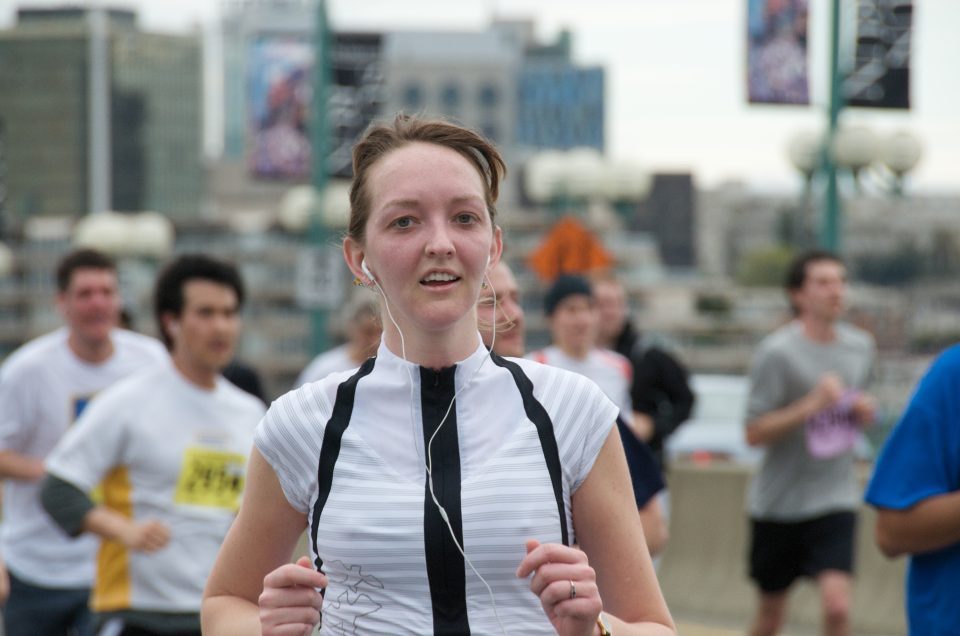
column 573, row 590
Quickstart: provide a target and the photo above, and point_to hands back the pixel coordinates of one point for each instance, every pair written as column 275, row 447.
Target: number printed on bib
column 211, row 478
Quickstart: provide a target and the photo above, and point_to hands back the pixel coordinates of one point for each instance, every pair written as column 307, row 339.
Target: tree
column 764, row 266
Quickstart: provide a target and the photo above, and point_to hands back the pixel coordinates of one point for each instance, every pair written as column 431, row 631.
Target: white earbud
column 487, row 264
column 365, row 269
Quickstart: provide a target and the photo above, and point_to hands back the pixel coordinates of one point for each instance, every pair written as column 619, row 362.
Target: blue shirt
column 921, row 459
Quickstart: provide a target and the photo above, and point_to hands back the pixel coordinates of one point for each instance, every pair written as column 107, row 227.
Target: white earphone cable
column 429, row 459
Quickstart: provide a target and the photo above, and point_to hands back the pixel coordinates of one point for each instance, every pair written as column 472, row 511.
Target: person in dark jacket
column 660, row 391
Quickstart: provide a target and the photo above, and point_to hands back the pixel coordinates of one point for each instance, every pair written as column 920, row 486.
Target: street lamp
column 107, row 232
column 577, row 177
column 143, row 234
column 296, row 206
column 624, row 184
column 137, row 241
column 543, row 180
column 900, row 153
column 804, row 150
column 319, row 274
column 856, row 149
column 318, row 235
column 299, row 203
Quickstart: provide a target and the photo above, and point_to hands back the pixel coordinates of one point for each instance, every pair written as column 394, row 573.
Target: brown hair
column 383, row 138
column 81, row 259
column 796, row 274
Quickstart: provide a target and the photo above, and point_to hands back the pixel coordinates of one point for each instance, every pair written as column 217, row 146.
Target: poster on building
column 279, row 92
column 777, row 52
column 880, row 73
column 355, row 95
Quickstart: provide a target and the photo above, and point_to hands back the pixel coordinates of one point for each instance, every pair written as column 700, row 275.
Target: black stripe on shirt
column 445, row 563
column 548, row 442
column 330, row 449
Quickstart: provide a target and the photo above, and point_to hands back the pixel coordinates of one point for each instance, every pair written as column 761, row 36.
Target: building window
column 450, row 96
column 413, row 97
column 489, row 95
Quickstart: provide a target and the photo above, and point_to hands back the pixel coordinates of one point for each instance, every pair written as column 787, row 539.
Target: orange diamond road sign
column 569, row 248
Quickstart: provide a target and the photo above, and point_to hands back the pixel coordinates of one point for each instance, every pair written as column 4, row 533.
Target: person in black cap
column 574, row 322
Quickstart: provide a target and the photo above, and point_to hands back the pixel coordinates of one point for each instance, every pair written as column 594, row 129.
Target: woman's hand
column 566, row 586
column 290, row 603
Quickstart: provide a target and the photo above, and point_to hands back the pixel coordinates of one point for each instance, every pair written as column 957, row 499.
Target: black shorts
column 780, row 552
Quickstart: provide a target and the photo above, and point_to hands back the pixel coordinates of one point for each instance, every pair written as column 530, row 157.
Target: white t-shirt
column 610, row 370
column 392, row 566
column 43, row 388
column 168, row 450
column 336, row 359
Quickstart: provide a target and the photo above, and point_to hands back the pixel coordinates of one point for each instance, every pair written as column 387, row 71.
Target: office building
column 97, row 114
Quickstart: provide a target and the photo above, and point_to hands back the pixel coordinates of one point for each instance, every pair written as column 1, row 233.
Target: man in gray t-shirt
column 807, row 406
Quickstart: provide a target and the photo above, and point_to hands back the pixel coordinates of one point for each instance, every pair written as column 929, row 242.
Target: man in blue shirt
column 916, row 490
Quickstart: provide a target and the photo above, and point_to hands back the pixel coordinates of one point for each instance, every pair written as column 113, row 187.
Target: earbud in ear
column 174, row 328
column 487, row 264
column 365, row 269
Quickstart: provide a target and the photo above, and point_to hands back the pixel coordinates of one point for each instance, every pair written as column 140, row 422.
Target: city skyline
column 675, row 75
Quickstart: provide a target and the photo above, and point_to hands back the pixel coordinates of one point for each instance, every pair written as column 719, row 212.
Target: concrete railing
column 704, row 570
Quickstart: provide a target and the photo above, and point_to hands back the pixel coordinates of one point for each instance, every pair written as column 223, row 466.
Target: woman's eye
column 466, row 218
column 403, row 222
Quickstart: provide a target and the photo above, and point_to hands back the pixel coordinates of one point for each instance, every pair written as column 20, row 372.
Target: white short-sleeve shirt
column 351, row 452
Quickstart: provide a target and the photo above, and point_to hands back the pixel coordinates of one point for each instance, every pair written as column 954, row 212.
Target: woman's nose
column 439, row 243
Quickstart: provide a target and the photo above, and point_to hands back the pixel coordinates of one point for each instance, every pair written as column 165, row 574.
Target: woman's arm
column 613, row 570
column 253, row 588
column 607, row 531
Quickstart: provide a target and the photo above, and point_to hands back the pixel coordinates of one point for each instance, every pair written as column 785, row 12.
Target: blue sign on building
column 560, row 107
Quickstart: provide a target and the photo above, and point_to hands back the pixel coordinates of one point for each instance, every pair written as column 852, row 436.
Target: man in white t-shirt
column 44, row 386
column 170, row 447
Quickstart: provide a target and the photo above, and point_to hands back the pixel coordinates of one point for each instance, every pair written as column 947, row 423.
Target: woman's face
column 428, row 237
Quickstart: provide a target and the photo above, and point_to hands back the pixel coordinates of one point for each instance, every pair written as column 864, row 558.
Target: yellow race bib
column 211, row 478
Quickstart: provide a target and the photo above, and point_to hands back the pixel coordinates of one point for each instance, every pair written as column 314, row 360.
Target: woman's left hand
column 566, row 586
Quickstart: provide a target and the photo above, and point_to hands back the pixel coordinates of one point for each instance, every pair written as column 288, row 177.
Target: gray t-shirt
column 791, row 484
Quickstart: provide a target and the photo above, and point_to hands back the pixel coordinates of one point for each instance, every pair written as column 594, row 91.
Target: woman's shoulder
column 555, row 384
column 307, row 405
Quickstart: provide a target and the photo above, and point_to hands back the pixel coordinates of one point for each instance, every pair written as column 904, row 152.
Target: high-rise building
column 669, row 214
column 99, row 115
column 467, row 76
column 560, row 104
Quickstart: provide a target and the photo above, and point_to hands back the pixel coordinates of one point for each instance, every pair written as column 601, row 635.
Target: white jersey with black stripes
column 350, row 454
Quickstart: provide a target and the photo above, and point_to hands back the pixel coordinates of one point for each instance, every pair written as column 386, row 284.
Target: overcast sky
column 675, row 89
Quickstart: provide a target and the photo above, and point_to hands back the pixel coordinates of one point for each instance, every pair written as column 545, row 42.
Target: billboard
column 279, row 90
column 880, row 77
column 356, row 95
column 777, row 52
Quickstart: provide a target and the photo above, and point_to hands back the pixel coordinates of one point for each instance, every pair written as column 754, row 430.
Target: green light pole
column 318, row 235
column 830, row 230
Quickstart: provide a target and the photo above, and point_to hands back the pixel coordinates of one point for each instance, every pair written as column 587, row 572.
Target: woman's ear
column 353, row 256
